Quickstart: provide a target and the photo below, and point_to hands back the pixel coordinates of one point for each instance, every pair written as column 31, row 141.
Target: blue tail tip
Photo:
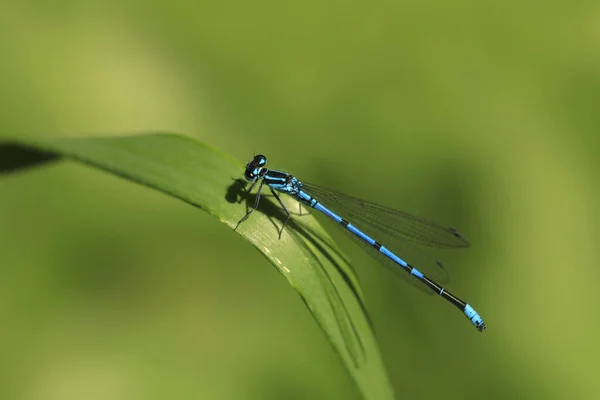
column 474, row 318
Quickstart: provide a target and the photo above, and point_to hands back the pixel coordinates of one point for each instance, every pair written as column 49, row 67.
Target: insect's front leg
column 256, row 201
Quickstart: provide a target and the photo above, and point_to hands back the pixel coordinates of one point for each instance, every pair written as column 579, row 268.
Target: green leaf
column 209, row 179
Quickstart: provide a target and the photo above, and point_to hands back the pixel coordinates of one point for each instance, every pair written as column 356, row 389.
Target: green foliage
column 208, row 179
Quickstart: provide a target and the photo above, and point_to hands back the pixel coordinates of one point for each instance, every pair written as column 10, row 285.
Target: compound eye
column 260, row 160
column 250, row 176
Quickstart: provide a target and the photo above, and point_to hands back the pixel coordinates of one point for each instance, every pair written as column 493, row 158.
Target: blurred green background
column 481, row 115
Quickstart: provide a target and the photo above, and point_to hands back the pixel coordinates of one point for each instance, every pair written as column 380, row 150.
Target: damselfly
column 363, row 222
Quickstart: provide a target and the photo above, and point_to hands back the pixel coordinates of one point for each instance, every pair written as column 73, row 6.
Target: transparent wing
column 394, row 229
column 393, row 223
column 434, row 269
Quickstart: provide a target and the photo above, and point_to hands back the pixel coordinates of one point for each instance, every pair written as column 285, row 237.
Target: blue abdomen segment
column 318, row 206
column 360, row 234
column 474, row 317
